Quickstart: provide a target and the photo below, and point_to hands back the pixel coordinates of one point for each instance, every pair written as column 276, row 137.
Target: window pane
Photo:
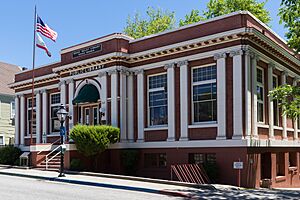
column 1, row 140
column 150, row 160
column 55, row 124
column 260, row 109
column 211, row 158
column 159, row 115
column 204, row 92
column 55, row 98
column 158, row 81
column 204, row 73
column 158, row 98
column 162, row 162
column 260, row 93
column 259, row 75
column 205, row 111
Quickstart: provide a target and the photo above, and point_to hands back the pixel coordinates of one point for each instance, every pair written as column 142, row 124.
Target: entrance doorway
column 89, row 114
column 265, row 165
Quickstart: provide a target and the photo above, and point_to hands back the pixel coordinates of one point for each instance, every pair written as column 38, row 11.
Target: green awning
column 88, row 94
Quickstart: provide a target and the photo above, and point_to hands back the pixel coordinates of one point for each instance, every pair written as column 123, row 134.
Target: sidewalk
column 123, row 183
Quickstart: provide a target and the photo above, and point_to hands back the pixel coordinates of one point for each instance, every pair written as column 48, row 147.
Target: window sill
column 156, row 128
column 203, row 125
column 278, row 128
column 53, row 135
column 28, row 136
column 280, row 178
column 260, row 125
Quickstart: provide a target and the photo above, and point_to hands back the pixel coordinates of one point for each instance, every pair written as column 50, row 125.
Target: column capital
column 101, row 74
column 43, row 90
column 296, row 80
column 37, row 92
column 139, row 71
column 169, row 65
column 124, row 71
column 182, row 63
column 284, row 73
column 271, row 66
column 236, row 52
column 218, row 56
column 250, row 53
column 113, row 71
column 63, row 82
column 71, row 80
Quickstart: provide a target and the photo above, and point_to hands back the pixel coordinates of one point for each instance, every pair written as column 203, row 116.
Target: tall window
column 260, row 94
column 275, row 103
column 155, row 160
column 158, row 100
column 204, row 94
column 31, row 116
column 55, row 102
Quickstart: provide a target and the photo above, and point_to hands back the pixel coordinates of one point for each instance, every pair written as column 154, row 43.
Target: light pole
column 62, row 115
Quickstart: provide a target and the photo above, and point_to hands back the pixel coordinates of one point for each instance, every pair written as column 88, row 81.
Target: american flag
column 45, row 30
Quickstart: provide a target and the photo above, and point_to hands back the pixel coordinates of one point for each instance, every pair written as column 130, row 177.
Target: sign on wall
column 88, row 50
column 238, row 165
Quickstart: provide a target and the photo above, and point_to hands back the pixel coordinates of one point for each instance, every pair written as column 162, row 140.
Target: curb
column 103, row 185
column 150, row 180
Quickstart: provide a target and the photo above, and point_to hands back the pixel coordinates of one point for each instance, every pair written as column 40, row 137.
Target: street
column 15, row 188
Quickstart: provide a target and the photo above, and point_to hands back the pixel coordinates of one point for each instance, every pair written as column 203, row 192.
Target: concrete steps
column 53, row 164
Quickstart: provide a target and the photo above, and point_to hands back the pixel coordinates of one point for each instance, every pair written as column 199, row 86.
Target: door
column 95, row 115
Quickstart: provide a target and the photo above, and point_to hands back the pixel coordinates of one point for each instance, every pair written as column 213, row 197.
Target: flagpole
column 33, row 64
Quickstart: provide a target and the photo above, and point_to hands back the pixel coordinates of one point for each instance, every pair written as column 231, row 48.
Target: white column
column 254, row 95
column 237, row 94
column 271, row 104
column 140, row 106
column 71, row 97
column 171, row 101
column 45, row 118
column 248, row 92
column 123, row 105
column 130, row 112
column 221, row 93
column 114, row 97
column 38, row 117
column 103, row 93
column 295, row 120
column 17, row 121
column 62, row 86
column 183, row 65
column 284, row 125
column 22, row 119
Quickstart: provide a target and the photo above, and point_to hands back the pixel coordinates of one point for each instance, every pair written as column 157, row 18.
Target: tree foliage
column 290, row 15
column 9, row 155
column 157, row 21
column 289, row 99
column 221, row 7
column 92, row 140
column 193, row 17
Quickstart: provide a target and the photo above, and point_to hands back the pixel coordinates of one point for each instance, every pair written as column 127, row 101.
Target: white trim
column 278, row 128
column 200, row 83
column 96, row 41
column 48, row 87
column 38, row 117
column 263, row 89
column 154, row 90
column 17, row 121
column 261, row 125
column 140, row 105
column 30, row 80
column 156, row 128
column 85, row 82
column 254, row 60
column 203, row 125
column 207, row 54
column 22, row 119
column 171, row 101
column 114, row 99
column 184, row 111
column 45, row 112
column 237, row 95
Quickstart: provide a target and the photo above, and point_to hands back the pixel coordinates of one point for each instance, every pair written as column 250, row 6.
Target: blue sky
column 77, row 21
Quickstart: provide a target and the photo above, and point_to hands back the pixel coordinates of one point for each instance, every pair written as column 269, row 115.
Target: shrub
column 76, row 164
column 9, row 155
column 129, row 160
column 92, row 140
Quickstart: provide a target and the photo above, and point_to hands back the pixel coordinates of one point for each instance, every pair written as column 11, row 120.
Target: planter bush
column 9, row 155
column 76, row 164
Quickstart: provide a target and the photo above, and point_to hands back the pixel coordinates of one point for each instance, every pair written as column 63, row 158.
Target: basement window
column 280, row 164
column 292, row 159
column 155, row 160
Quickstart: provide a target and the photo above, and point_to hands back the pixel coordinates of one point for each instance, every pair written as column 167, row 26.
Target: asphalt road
column 15, row 188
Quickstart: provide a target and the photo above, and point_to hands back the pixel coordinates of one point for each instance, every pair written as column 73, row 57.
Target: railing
column 49, row 154
column 191, row 173
column 46, row 148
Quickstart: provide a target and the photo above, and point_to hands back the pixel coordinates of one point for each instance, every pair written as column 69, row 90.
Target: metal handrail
column 44, row 149
column 48, row 160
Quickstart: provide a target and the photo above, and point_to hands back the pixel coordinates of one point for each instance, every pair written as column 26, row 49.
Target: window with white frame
column 31, row 116
column 2, row 140
column 12, row 110
column 54, row 105
column 157, row 100
column 275, row 103
column 204, row 92
column 260, row 94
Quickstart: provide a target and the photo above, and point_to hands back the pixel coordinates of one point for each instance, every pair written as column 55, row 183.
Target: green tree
column 157, row 21
column 93, row 140
column 290, row 15
column 221, row 7
column 289, row 99
column 191, row 18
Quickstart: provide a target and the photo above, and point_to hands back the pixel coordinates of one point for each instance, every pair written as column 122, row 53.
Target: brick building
column 194, row 94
